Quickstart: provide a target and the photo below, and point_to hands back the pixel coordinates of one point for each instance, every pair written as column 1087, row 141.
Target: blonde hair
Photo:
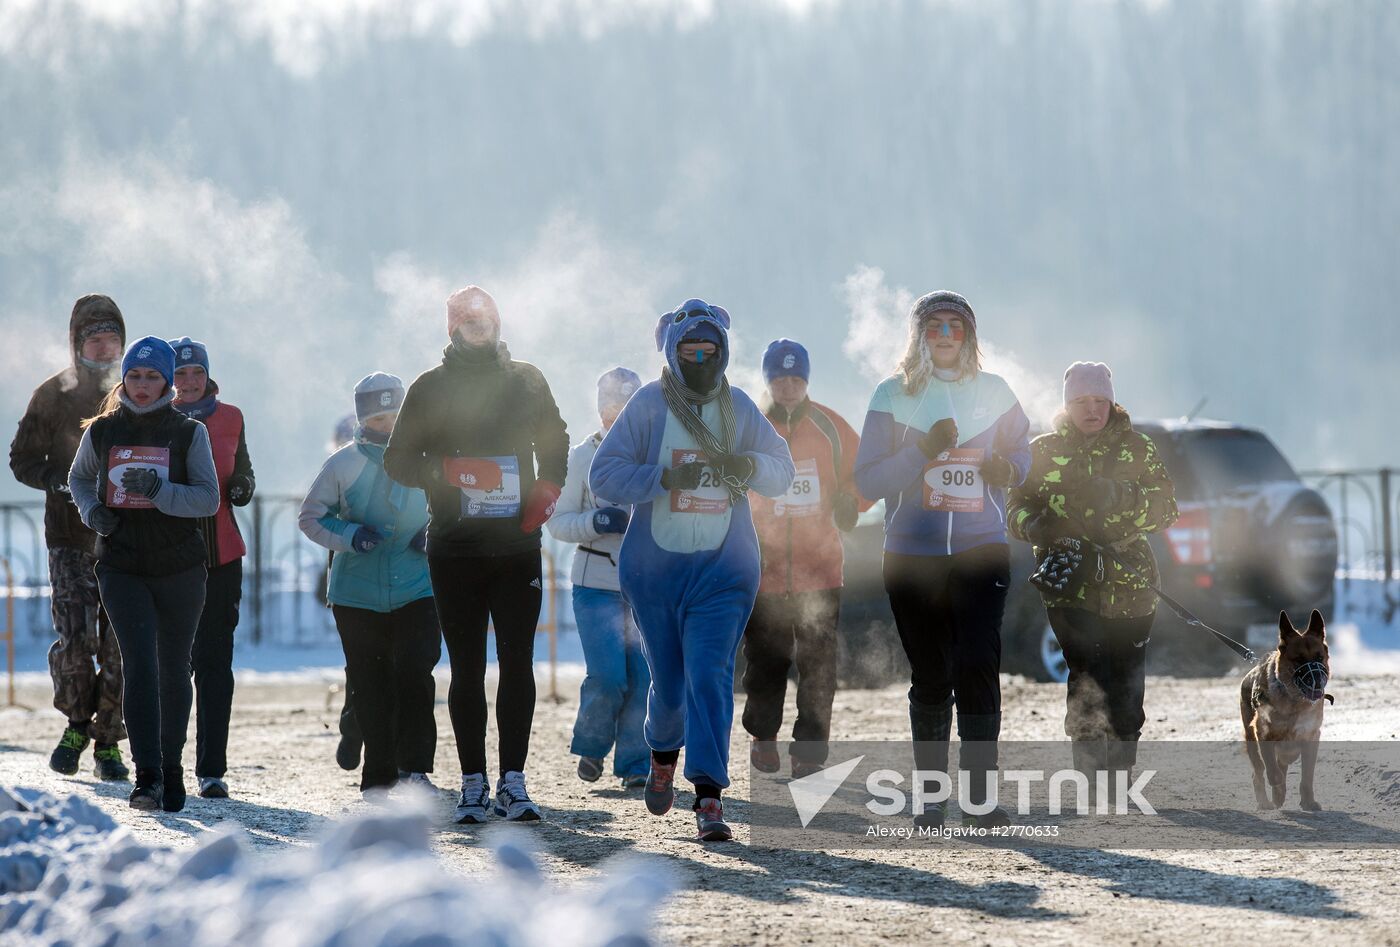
column 916, row 367
column 110, row 403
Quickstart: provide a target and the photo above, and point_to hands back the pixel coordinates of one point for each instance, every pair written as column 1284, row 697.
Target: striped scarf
column 680, row 399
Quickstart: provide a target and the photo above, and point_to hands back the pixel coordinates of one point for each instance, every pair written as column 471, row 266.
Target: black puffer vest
column 148, row 542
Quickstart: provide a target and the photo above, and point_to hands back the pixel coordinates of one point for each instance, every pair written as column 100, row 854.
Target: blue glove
column 365, row 539
column 610, row 520
column 419, row 542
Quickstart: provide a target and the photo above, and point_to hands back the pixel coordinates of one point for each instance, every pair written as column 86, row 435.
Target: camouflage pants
column 85, row 662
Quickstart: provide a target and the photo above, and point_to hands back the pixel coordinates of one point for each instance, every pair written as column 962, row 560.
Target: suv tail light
column 1189, row 537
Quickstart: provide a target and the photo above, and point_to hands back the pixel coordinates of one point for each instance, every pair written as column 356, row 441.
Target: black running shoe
column 709, row 822
column 148, row 793
column 109, row 765
column 590, row 768
column 64, row 758
column 932, row 817
column 660, row 792
column 998, row 818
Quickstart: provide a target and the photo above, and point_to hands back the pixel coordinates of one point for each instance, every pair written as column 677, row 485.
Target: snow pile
column 69, row 875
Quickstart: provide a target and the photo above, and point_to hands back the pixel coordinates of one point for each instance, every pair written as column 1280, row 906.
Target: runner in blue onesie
column 684, row 452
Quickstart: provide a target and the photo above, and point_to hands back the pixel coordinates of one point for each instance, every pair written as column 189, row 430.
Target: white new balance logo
column 811, row 793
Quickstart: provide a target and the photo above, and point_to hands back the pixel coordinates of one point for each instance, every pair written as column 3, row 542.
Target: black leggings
column 155, row 619
column 782, row 628
column 389, row 660
column 506, row 591
column 211, row 661
column 1107, row 660
column 948, row 612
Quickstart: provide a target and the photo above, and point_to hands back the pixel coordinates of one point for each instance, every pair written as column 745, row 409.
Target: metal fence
column 283, row 575
column 1365, row 505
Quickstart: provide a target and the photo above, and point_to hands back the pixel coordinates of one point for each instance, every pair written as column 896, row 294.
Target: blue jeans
column 613, row 699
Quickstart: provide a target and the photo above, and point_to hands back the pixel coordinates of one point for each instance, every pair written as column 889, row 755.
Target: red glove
column 539, row 507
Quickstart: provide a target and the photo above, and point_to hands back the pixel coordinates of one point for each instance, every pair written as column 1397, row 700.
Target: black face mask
column 703, row 377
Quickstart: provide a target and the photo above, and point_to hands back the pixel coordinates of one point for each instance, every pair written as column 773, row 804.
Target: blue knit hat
column 616, row 385
column 786, row 358
column 151, row 352
column 377, row 393
column 190, row 352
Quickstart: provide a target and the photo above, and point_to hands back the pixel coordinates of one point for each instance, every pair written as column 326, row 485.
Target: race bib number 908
column 952, row 482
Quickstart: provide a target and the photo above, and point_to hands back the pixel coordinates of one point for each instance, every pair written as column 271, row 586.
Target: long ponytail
column 110, row 403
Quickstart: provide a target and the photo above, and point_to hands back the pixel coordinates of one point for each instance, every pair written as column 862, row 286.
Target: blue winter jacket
column 890, row 464
column 352, row 490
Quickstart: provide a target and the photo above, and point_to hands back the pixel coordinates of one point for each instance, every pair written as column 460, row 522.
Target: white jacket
column 572, row 522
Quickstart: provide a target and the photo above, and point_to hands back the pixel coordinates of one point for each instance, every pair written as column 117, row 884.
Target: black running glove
column 240, row 490
column 104, row 522
column 684, row 477
column 1044, row 528
column 143, row 481
column 942, row 436
column 735, row 466
column 997, row 471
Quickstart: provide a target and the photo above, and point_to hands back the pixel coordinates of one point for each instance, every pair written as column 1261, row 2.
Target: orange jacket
column 798, row 537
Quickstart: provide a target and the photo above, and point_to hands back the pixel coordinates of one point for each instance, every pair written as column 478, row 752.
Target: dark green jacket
column 1062, row 462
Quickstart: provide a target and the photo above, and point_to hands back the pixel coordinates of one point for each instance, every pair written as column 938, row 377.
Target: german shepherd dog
column 1281, row 706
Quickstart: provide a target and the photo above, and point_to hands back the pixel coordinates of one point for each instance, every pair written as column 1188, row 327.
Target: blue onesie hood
column 687, row 320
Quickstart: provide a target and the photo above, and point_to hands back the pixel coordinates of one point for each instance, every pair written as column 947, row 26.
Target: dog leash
column 1243, row 651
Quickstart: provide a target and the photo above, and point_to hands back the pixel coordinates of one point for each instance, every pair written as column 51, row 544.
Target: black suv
column 1251, row 539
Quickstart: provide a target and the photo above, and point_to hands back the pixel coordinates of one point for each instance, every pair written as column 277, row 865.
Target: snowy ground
column 287, row 791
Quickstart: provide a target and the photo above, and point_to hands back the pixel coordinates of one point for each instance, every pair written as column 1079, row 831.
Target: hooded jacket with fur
column 49, row 432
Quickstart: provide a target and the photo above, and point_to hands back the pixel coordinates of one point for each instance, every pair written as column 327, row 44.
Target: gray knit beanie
column 1088, row 378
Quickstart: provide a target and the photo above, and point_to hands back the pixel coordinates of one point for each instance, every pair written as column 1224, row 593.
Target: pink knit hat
column 468, row 301
column 1088, row 378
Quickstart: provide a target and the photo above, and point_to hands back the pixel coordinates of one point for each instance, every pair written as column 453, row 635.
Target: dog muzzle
column 1310, row 678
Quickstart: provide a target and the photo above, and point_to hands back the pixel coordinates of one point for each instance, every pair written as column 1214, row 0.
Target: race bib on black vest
column 119, row 459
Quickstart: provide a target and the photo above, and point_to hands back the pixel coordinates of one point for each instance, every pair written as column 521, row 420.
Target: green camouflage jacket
column 1062, row 462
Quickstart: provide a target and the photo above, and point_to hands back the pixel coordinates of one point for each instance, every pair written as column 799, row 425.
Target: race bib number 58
column 804, row 497
column 952, row 483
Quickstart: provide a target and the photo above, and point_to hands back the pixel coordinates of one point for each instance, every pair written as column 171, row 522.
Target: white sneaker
column 512, row 802
column 420, row 780
column 211, row 787
column 376, row 795
column 474, row 801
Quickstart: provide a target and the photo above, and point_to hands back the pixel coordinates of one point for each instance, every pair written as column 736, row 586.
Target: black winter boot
column 1090, row 758
column 174, row 779
column 1121, row 758
column 978, row 756
column 148, row 792
column 930, row 726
